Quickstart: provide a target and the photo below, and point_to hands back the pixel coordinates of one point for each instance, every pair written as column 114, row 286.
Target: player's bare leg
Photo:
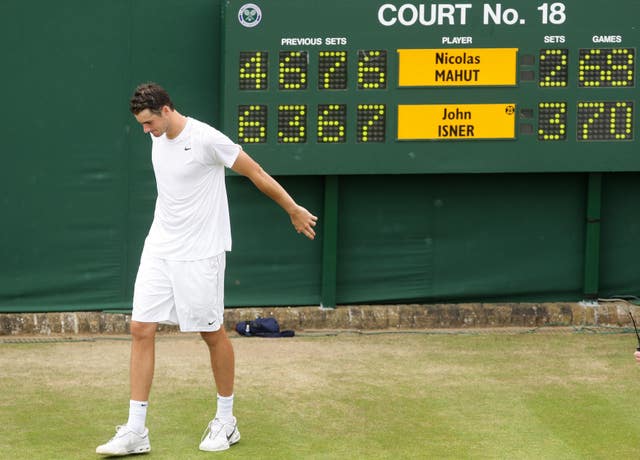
column 143, row 336
column 133, row 438
column 222, row 431
column 222, row 360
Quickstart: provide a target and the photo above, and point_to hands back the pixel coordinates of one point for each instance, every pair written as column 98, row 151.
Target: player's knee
column 214, row 338
column 143, row 331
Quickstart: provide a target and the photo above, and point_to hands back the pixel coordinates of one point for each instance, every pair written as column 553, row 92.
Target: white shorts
column 188, row 293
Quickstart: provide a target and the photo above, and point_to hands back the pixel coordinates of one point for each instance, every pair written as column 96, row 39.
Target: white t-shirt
column 191, row 218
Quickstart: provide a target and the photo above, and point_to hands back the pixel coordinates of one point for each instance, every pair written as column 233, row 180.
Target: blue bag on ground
column 262, row 327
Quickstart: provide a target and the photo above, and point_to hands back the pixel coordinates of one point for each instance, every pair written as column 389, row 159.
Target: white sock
column 224, row 411
column 137, row 415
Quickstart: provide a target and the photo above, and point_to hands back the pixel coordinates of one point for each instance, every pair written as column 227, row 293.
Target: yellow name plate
column 458, row 67
column 456, row 121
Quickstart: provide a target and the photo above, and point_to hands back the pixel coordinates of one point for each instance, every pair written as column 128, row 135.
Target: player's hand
column 637, row 356
column 303, row 221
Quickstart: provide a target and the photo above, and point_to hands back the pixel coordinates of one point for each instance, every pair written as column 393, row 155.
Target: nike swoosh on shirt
column 187, row 148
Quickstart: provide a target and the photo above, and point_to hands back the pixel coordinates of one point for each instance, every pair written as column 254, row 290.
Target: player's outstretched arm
column 302, row 220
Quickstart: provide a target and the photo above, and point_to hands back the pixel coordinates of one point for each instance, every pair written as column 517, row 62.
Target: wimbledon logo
column 249, row 15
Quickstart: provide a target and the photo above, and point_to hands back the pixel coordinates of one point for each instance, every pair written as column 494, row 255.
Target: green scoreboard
column 362, row 86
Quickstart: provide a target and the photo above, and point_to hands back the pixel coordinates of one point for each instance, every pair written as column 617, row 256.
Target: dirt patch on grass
column 315, row 363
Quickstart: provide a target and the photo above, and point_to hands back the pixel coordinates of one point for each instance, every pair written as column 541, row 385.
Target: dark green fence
column 78, row 192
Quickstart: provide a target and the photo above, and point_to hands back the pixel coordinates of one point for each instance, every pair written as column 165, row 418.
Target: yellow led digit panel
column 332, row 119
column 332, row 70
column 552, row 121
column 372, row 122
column 253, row 71
column 293, row 70
column 252, row 124
column 606, row 67
column 605, row 121
column 554, row 68
column 292, row 124
column 372, row 69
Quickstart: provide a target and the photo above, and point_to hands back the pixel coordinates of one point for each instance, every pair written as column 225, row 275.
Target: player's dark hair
column 150, row 96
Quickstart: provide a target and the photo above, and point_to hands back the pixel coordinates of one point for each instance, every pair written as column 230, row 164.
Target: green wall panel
column 461, row 237
column 270, row 263
column 64, row 79
column 620, row 259
column 78, row 187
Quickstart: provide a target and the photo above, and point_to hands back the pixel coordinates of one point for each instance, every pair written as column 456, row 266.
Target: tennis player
column 180, row 279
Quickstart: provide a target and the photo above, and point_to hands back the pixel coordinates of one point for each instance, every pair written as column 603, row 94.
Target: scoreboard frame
column 394, row 88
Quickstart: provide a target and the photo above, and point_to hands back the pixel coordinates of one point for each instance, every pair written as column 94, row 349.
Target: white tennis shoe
column 219, row 436
column 126, row 442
